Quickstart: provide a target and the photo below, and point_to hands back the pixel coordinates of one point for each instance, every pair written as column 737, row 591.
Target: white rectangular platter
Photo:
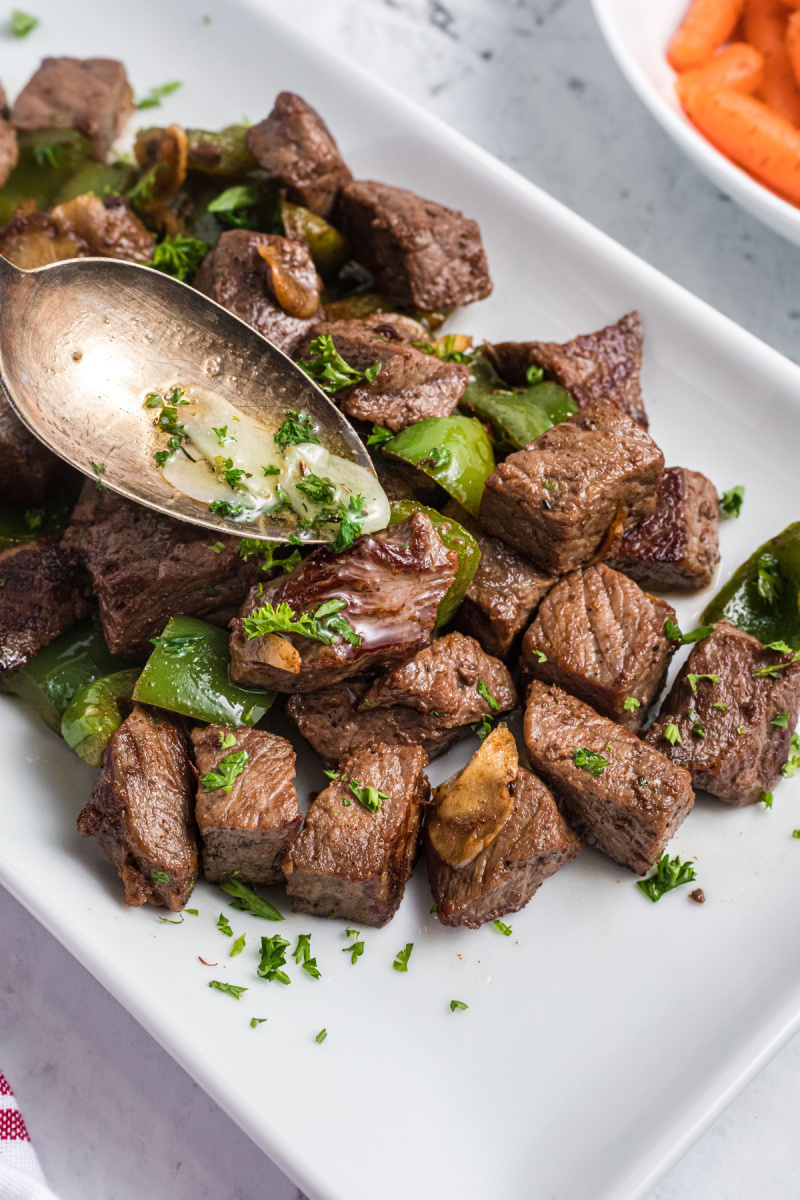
column 606, row 1032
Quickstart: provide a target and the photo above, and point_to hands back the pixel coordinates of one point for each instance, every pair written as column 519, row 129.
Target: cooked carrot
column 793, row 43
column 751, row 134
column 765, row 28
column 739, row 66
column 707, row 24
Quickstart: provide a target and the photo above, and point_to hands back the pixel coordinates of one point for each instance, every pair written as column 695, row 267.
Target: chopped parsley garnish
column 320, row 1038
column 22, row 23
column 774, row 671
column 401, row 961
column 47, row 156
column 693, row 680
column 534, row 375
column 256, row 1021
column 302, row 956
column 721, row 705
column 273, row 957
column 233, row 205
column 550, row 484
column 350, row 527
column 673, row 735
column 444, row 348
column 485, row 694
column 167, row 921
column 781, row 647
column 669, row 874
column 223, row 509
column 356, row 948
column 218, row 547
column 697, row 725
column 458, row 1006
column 193, row 912
column 226, row 740
column 781, row 720
column 540, row 656
column 731, row 502
column 156, row 94
column 271, row 470
column 438, row 458
column 98, row 469
column 766, row 799
column 631, row 704
column 222, row 434
column 769, row 578
column 502, row 928
column 246, row 900
column 160, row 876
column 379, row 435
column 142, row 190
column 329, row 370
column 176, row 645
column 318, row 487
column 370, row 797
column 295, row 430
column 792, row 764
column 248, row 547
column 672, row 631
column 227, row 772
column 224, row 925
column 179, row 256
column 592, row 762
column 322, row 625
column 230, row 989
column 237, row 947
column 483, row 727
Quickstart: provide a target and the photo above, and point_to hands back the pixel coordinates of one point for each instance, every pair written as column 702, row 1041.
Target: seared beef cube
column 296, row 147
column 391, row 583
column 533, row 842
column 599, row 636
column 566, row 499
column 145, row 567
column 43, row 594
column 141, row 810
column 505, row 592
column 9, row 151
column 429, row 701
column 410, row 385
column 268, row 281
column 351, row 861
column 91, row 95
column 107, row 228
column 597, row 366
column 421, row 253
column 246, row 828
column 29, row 468
column 677, row 548
column 723, row 729
column 617, row 792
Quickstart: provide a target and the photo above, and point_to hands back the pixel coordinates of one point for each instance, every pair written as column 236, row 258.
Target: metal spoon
column 83, row 341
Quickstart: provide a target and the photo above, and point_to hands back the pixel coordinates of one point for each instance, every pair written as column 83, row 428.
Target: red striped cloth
column 21, row 1176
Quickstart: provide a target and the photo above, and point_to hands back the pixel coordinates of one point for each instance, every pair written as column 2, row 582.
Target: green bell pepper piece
column 455, row 451
column 50, row 680
column 234, row 157
column 95, row 713
column 328, row 248
column 763, row 596
column 47, row 159
column 188, row 673
column 516, row 417
column 104, row 179
column 455, row 537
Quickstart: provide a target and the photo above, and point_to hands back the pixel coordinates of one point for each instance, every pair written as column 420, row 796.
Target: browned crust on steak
column 43, row 595
column 29, row 468
column 91, row 95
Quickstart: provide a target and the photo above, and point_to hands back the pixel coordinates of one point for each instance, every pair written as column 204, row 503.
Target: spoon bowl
column 82, row 343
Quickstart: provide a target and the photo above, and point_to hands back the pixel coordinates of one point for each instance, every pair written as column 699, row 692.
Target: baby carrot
column 738, row 66
column 751, row 134
column 707, row 24
column 765, row 28
column 793, row 43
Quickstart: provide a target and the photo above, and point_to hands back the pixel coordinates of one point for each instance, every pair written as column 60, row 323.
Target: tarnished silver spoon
column 82, row 342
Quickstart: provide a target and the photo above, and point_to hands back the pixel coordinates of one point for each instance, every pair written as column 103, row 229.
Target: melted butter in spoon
column 220, row 439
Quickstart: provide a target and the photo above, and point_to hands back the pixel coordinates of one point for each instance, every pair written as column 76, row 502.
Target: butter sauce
column 217, row 431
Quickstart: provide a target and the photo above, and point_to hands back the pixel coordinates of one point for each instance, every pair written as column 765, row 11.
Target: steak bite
column 600, row 637
column 422, row 254
column 616, row 792
column 141, row 810
column 145, row 567
column 266, row 280
column 9, row 151
column 294, row 145
column 676, row 549
column 247, row 821
column 29, row 468
column 722, row 728
column 409, row 386
column 565, row 500
column 430, row 700
column 388, row 586
column 91, row 95
column 479, row 869
column 352, row 861
column 43, row 594
column 596, row 366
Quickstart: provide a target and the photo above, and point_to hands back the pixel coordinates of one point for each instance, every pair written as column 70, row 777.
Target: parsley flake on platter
column 229, row 989
column 669, row 874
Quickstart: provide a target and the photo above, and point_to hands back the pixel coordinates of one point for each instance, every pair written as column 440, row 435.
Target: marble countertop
column 112, row 1116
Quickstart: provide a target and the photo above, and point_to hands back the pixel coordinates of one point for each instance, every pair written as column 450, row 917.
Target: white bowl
column 638, row 33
